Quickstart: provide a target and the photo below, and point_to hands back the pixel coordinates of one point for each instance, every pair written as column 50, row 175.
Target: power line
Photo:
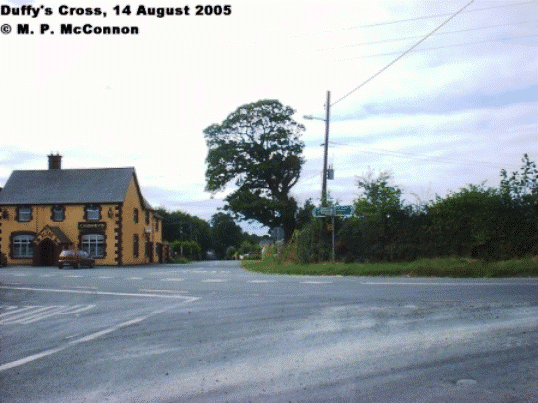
column 415, row 37
column 426, row 17
column 432, row 16
column 403, row 54
column 403, row 154
column 438, row 47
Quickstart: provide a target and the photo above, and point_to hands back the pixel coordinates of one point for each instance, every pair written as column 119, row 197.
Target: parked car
column 75, row 258
column 3, row 259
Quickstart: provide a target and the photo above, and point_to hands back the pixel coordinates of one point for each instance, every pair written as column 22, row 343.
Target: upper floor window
column 23, row 246
column 93, row 212
column 147, row 217
column 135, row 216
column 24, row 213
column 58, row 213
column 156, row 225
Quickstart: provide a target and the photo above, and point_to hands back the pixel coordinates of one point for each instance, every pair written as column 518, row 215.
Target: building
column 101, row 211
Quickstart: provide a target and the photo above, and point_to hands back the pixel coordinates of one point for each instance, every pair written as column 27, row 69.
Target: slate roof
column 67, row 186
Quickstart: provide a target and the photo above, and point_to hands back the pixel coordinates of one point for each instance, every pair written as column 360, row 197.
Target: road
column 212, row 332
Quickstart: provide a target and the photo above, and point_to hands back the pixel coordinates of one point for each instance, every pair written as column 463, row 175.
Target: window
column 58, row 213
column 94, row 244
column 147, row 246
column 156, row 225
column 23, row 246
column 25, row 213
column 135, row 216
column 147, row 217
column 135, row 245
column 93, row 212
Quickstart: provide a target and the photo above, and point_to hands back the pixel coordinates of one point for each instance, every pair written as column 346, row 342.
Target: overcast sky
column 456, row 110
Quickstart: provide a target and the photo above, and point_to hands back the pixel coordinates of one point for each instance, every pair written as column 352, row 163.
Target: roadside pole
column 332, row 211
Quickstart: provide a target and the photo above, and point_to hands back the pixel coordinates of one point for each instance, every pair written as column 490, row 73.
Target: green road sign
column 333, row 211
column 343, row 210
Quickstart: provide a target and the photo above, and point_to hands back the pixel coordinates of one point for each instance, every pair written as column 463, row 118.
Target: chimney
column 55, row 161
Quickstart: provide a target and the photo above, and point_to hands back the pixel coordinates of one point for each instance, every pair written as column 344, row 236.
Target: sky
column 454, row 111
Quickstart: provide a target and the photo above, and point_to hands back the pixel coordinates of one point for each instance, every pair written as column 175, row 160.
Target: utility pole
column 325, row 156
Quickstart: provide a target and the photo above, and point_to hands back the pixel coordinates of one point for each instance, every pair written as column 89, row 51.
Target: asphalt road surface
column 212, row 332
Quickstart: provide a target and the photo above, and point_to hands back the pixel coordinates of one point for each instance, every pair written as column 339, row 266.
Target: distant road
column 211, row 331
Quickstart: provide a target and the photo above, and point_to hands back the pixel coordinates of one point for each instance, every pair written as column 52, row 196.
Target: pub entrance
column 46, row 253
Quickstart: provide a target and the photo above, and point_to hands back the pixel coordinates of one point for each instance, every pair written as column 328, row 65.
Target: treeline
column 192, row 238
column 476, row 221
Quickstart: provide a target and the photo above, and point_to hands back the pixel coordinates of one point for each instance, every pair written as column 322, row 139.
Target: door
column 46, row 253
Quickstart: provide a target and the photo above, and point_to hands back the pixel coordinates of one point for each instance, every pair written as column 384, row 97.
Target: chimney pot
column 55, row 161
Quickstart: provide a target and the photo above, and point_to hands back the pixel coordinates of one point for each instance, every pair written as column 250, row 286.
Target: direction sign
column 333, row 211
column 344, row 210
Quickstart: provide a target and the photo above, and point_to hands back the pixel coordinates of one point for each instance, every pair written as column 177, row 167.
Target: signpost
column 332, row 211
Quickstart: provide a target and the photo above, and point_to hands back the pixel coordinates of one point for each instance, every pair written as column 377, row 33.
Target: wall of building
column 116, row 223
column 73, row 226
column 132, row 227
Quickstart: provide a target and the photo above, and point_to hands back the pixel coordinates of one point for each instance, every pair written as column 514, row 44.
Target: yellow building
column 101, row 211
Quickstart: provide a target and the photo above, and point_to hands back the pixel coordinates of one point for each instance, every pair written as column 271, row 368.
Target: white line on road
column 34, row 357
column 215, row 280
column 31, row 314
column 84, row 339
column 441, row 284
column 172, row 279
column 316, row 282
column 134, row 278
column 118, row 294
column 261, row 281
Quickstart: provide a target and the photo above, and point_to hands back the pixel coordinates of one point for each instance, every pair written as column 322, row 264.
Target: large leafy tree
column 224, row 233
column 259, row 147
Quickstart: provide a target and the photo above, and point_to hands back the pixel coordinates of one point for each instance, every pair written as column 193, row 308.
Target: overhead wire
column 403, row 154
column 426, row 17
column 415, row 37
column 403, row 54
column 438, row 47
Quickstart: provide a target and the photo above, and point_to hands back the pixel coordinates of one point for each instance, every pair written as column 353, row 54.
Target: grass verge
column 448, row 267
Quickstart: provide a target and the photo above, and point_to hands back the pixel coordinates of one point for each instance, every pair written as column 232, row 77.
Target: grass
column 447, row 267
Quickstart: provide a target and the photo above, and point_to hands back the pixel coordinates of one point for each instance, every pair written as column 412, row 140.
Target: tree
column 379, row 211
column 224, row 233
column 259, row 147
column 178, row 225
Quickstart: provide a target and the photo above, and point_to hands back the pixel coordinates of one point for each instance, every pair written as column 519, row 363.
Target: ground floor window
column 94, row 244
column 135, row 245
column 23, row 246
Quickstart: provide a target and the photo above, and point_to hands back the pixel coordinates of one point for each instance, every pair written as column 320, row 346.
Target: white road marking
column 73, row 276
column 261, row 281
column 316, row 282
column 134, row 278
column 169, row 291
column 31, row 314
column 20, row 274
column 442, row 284
column 47, row 275
column 215, row 280
column 172, row 279
column 104, row 277
column 84, row 339
column 13, row 310
column 118, row 294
